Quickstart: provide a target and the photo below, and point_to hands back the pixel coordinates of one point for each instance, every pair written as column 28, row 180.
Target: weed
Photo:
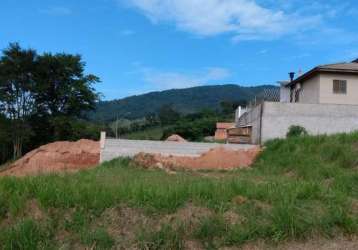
column 167, row 237
column 26, row 234
column 211, row 228
column 99, row 239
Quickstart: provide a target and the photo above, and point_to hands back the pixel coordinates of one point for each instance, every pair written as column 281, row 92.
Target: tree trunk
column 17, row 147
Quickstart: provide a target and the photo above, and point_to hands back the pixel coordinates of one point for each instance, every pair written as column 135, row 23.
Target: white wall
column 326, row 89
column 114, row 148
column 316, row 118
column 284, row 94
column 310, row 90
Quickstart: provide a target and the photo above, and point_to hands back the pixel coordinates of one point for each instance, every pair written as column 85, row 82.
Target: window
column 339, row 86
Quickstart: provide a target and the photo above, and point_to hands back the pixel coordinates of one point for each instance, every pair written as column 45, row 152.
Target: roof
column 343, row 68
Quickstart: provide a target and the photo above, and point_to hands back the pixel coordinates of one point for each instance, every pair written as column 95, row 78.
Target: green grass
column 98, row 238
column 298, row 188
column 25, row 234
column 166, row 237
column 155, row 134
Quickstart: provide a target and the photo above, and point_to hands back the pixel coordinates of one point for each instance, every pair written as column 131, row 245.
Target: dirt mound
column 217, row 158
column 176, row 138
column 56, row 157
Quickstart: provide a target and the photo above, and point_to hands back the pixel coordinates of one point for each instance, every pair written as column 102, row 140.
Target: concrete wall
column 284, row 94
column 310, row 90
column 316, row 118
column 252, row 118
column 114, row 148
column 326, row 89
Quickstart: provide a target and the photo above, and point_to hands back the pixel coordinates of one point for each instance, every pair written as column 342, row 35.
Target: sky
column 138, row 46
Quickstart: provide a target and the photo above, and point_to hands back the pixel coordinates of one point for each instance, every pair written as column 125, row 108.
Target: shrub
column 296, row 131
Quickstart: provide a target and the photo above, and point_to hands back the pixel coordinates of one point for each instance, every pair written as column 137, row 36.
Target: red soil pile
column 176, row 138
column 56, row 157
column 218, row 158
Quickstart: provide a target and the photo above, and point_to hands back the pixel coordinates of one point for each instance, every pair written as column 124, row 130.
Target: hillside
column 302, row 193
column 187, row 100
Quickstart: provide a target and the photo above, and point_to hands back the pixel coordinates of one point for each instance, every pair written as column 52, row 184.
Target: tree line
column 43, row 98
column 167, row 121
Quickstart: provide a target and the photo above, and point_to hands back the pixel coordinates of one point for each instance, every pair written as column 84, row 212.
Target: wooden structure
column 221, row 130
column 241, row 135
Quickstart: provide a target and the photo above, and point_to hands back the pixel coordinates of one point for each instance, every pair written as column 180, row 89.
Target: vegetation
column 299, row 188
column 184, row 101
column 152, row 133
column 42, row 98
column 195, row 127
column 296, row 131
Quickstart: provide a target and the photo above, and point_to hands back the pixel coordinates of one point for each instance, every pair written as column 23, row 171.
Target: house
column 326, row 84
column 323, row 100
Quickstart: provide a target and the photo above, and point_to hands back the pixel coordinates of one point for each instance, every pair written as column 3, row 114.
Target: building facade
column 327, row 84
column 323, row 101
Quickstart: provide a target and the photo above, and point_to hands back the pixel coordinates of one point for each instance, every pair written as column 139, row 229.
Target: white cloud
column 246, row 19
column 56, row 11
column 169, row 80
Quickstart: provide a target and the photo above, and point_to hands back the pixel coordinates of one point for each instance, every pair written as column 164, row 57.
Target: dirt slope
column 217, row 158
column 56, row 157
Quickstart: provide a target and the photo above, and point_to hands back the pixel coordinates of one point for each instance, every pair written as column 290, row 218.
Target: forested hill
column 187, row 100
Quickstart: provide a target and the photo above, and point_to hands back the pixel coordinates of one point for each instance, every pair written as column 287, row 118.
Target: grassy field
column 298, row 189
column 147, row 134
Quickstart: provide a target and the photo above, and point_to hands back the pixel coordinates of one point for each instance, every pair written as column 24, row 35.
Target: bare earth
column 338, row 243
column 56, row 157
column 218, row 158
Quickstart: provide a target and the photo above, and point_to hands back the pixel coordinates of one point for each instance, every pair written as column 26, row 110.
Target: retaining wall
column 114, row 148
column 316, row 118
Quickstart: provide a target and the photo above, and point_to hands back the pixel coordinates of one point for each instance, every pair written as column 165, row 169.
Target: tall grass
column 297, row 188
column 26, row 234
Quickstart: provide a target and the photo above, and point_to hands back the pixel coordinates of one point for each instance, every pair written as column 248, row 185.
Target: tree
column 17, row 85
column 228, row 107
column 5, row 139
column 152, row 119
column 63, row 88
column 64, row 92
column 167, row 115
column 38, row 92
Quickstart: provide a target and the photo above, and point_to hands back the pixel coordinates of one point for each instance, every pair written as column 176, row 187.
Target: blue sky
column 136, row 46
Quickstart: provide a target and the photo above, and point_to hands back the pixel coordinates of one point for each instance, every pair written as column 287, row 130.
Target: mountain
column 187, row 100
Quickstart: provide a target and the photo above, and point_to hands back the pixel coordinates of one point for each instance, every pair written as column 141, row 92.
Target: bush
column 296, row 131
column 193, row 130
